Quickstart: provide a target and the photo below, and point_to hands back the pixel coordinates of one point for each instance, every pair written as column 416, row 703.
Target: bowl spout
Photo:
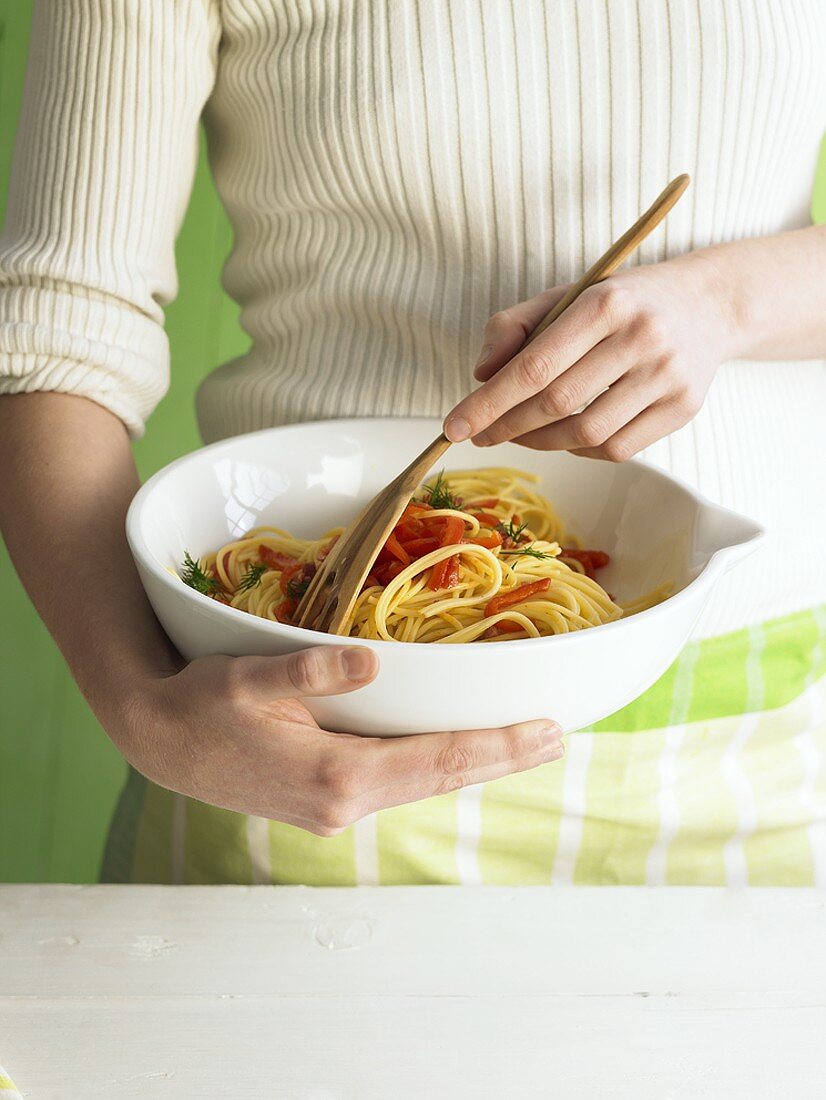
column 727, row 536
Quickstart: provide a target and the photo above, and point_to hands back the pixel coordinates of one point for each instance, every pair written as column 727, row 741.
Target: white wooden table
column 248, row 992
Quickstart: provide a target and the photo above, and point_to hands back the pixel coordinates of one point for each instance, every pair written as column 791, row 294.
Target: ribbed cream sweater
column 396, row 171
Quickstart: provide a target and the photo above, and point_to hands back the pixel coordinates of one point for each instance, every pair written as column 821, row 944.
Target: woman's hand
column 233, row 731
column 628, row 362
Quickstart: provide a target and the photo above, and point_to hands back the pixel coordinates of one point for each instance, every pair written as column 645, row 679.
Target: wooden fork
column 328, row 602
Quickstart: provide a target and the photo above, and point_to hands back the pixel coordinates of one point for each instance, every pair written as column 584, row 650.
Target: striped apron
column 716, row 775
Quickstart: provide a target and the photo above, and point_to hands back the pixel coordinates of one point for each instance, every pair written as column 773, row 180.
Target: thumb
column 507, row 331
column 319, row 670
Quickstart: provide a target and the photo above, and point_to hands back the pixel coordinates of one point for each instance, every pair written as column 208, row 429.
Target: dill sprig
column 193, row 575
column 510, row 530
column 298, row 586
column 252, row 577
column 529, row 551
column 438, row 494
column 513, row 533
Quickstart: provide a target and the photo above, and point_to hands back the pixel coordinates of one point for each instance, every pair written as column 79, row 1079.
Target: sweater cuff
column 95, row 347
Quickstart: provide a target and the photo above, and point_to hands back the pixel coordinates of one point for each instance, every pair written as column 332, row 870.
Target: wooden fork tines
column 328, row 602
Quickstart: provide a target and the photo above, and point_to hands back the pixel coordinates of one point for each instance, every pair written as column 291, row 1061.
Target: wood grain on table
column 365, row 993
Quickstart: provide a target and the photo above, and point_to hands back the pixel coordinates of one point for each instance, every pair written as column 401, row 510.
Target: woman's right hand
column 232, row 731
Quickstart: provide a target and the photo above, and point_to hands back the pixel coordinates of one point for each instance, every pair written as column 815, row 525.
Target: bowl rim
column 143, row 556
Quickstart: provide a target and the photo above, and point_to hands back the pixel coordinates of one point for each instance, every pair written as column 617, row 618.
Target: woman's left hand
column 630, row 361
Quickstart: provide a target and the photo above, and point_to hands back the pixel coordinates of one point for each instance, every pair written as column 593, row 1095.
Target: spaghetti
column 477, row 556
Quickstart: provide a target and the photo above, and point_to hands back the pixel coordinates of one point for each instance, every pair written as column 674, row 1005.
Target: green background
column 59, row 775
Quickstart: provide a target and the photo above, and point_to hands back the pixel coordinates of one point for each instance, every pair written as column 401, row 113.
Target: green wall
column 59, row 775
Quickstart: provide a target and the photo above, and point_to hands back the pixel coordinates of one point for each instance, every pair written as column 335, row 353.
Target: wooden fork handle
column 421, row 465
column 619, row 251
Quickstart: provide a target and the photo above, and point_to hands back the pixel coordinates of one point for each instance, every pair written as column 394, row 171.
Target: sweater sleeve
column 103, row 167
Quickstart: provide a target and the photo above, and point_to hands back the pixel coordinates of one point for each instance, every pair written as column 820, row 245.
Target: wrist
column 128, row 701
column 728, row 314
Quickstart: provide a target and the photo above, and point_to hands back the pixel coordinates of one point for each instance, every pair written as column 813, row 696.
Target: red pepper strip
column 392, row 570
column 453, row 572
column 454, row 528
column 370, row 581
column 590, row 560
column 515, row 519
column 408, row 525
column 407, row 531
column 508, row 626
column 274, row 559
column 417, row 548
column 384, row 573
column 488, row 539
column 486, row 519
column 446, row 573
column 504, row 626
column 487, row 502
column 517, row 595
column 285, row 610
column 413, row 510
column 418, row 528
column 438, row 576
column 396, row 549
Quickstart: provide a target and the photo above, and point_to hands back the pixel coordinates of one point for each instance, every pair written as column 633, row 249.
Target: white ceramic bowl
column 310, row 477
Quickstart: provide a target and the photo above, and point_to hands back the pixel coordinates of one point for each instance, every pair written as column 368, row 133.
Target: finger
column 401, row 795
column 507, row 331
column 319, row 670
column 650, row 426
column 603, row 418
column 406, row 769
column 573, row 389
column 581, row 327
column 354, row 776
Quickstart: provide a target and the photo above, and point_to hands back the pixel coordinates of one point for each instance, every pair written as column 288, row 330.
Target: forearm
column 774, row 289
column 68, row 478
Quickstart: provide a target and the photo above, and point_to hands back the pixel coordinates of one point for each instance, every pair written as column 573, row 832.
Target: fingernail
column 484, row 355
column 358, row 664
column 551, row 733
column 555, row 753
column 457, row 429
column 482, row 439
